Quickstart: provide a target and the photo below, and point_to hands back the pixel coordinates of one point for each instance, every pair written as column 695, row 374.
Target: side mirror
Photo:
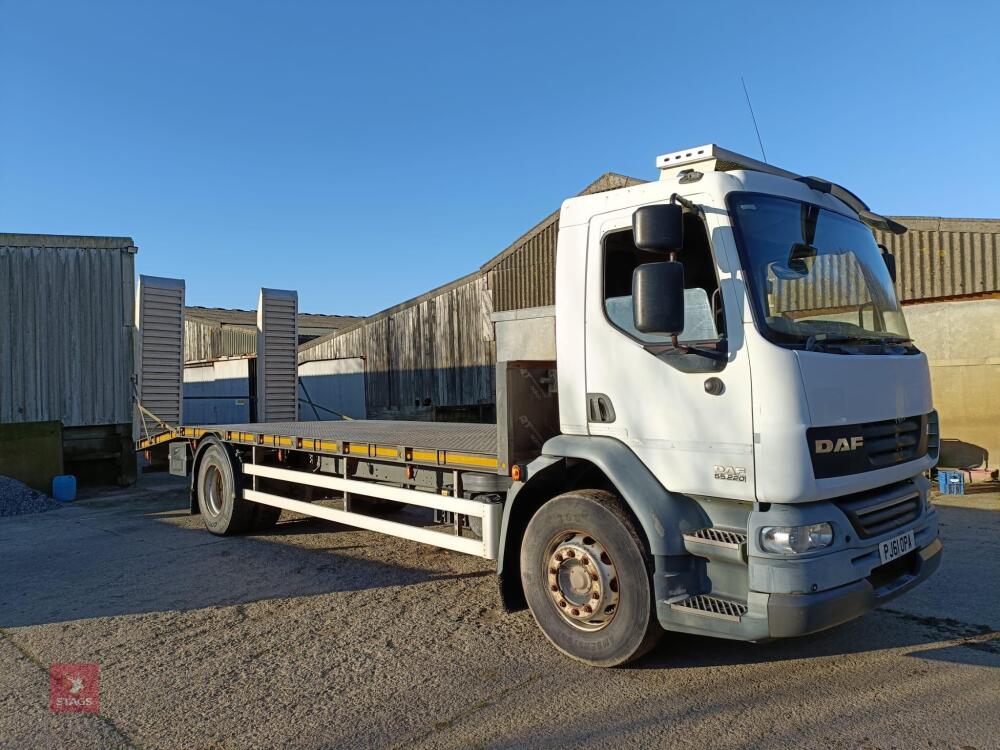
column 890, row 262
column 659, row 228
column 798, row 257
column 658, row 298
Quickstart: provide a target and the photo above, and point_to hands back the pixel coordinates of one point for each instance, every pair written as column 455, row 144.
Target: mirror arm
column 713, row 354
column 706, row 353
column 689, row 205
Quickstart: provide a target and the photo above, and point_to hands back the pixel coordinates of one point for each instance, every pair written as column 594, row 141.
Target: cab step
column 712, row 606
column 717, row 543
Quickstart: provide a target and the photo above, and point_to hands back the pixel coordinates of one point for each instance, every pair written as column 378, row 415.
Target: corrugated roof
column 607, row 181
column 8, row 239
column 248, row 318
column 945, row 258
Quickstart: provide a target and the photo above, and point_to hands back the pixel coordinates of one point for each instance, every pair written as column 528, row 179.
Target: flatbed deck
column 454, row 444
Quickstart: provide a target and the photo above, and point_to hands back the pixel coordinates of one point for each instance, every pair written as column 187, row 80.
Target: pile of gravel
column 17, row 498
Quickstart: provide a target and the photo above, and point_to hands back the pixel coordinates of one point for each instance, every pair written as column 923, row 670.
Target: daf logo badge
column 840, row 445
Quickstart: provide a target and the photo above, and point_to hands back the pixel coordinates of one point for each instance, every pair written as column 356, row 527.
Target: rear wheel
column 222, row 511
column 586, row 579
column 265, row 517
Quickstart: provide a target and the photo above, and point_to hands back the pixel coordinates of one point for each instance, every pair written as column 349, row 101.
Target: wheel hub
column 583, row 582
column 213, row 490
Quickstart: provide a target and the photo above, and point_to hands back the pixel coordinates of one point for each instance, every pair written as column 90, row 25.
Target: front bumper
column 800, row 614
column 780, row 596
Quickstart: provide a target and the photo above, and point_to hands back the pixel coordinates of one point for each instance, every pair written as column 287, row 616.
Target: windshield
column 816, row 276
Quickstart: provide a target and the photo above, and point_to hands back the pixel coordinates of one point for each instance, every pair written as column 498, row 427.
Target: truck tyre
column 586, row 578
column 222, row 511
column 265, row 517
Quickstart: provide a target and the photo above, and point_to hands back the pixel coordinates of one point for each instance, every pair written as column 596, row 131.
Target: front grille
column 873, row 514
column 893, row 442
column 853, row 449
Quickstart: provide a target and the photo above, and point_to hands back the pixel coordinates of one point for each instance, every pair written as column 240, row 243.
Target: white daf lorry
column 722, row 428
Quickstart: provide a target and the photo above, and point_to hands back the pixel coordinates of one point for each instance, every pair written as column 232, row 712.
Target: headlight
column 794, row 540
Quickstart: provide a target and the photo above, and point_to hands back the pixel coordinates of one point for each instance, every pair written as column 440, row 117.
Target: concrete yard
column 316, row 635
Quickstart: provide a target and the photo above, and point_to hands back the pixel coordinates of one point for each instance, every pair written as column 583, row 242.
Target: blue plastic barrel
column 64, row 488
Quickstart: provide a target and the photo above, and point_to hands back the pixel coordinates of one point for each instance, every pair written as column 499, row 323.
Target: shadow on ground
column 110, row 556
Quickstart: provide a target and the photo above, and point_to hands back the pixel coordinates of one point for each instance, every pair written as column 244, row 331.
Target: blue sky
column 364, row 153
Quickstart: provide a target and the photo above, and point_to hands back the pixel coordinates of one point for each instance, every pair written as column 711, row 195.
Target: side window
column 703, row 317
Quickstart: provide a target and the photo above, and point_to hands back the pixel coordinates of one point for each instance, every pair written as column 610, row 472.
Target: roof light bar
column 713, row 158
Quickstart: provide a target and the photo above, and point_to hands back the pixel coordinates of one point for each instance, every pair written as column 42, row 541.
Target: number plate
column 890, row 549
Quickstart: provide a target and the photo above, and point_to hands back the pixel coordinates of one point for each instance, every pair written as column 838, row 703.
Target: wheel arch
column 571, row 462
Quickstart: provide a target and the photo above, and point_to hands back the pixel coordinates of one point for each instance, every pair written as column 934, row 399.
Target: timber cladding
column 435, row 350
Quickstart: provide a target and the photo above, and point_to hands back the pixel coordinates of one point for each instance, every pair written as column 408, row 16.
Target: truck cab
column 735, row 365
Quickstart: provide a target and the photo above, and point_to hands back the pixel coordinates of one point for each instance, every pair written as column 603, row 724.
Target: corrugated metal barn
column 66, row 357
column 434, row 356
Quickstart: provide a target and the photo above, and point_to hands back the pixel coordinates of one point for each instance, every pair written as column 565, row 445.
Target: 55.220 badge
column 731, row 473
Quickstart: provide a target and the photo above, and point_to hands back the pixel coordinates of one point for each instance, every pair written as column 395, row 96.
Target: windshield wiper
column 896, row 339
column 820, row 340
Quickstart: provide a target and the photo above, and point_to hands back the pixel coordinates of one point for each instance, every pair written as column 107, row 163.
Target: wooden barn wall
column 205, row 340
column 437, row 351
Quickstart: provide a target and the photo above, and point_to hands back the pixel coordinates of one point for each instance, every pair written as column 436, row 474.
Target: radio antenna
column 754, row 118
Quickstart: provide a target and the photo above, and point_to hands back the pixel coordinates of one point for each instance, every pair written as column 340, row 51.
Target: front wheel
column 583, row 567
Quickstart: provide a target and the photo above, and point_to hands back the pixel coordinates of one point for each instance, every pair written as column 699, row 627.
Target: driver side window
column 703, row 317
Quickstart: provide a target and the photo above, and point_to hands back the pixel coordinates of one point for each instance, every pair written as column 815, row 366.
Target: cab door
column 687, row 417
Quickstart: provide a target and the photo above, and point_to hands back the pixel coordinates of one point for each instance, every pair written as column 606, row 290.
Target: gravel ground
column 17, row 498
column 314, row 635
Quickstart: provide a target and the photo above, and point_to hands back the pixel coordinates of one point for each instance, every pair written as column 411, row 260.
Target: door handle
column 599, row 408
